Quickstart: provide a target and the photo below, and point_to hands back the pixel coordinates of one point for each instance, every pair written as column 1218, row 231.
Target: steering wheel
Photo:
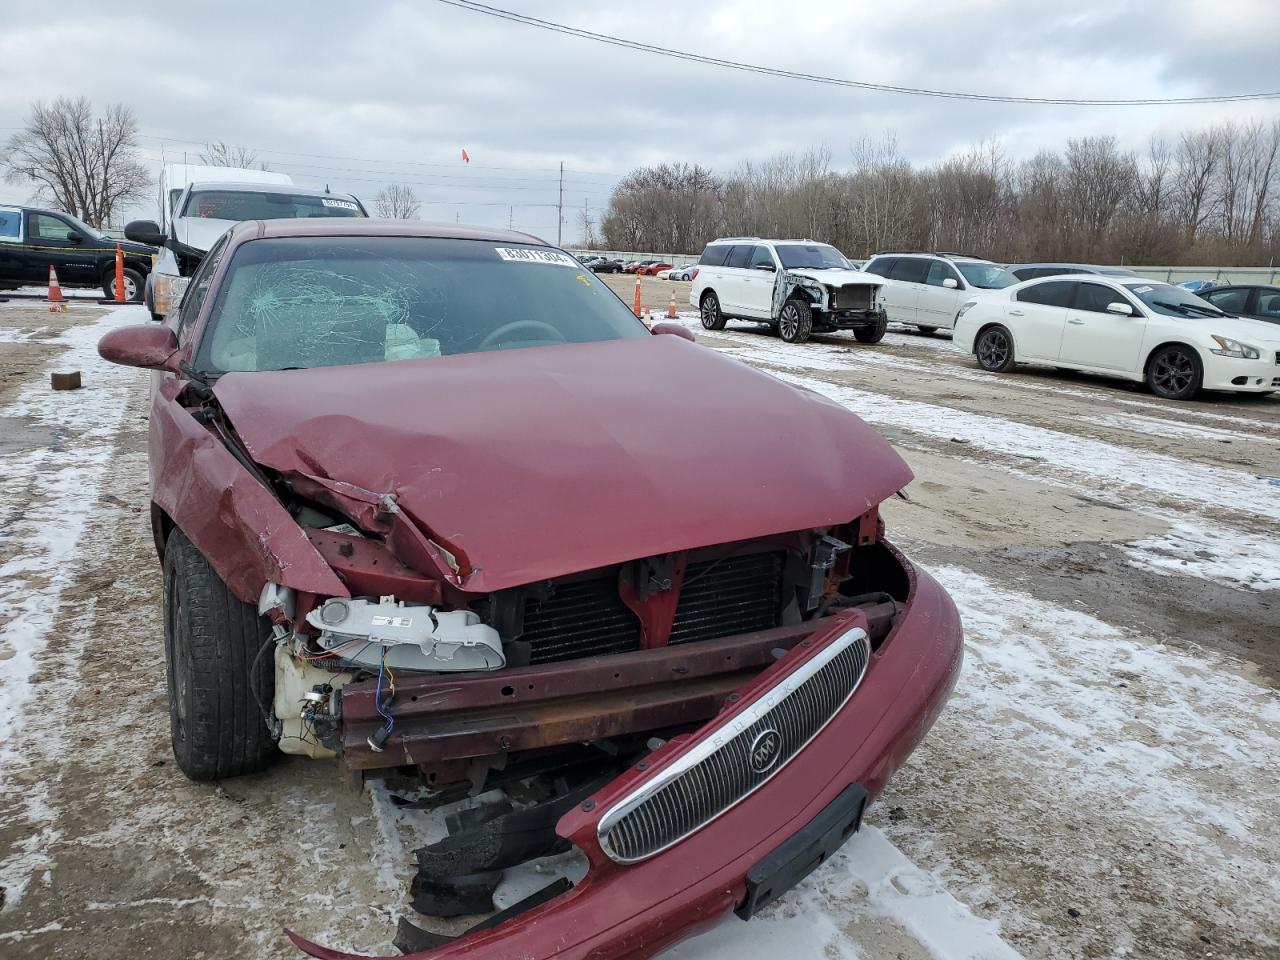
column 506, row 328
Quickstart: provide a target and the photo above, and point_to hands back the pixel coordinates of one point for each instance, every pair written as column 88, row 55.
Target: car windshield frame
column 339, row 207
column 1157, row 296
column 319, row 301
column 971, row 270
column 839, row 262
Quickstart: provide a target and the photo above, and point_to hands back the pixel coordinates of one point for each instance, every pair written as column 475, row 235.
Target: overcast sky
column 357, row 95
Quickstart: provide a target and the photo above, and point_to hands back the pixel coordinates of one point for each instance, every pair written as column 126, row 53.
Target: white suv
column 797, row 287
column 927, row 289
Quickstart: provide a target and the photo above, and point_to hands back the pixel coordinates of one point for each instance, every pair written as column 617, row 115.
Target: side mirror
column 950, row 283
column 144, row 231
column 150, row 346
column 674, row 329
column 766, row 266
column 1120, row 309
column 73, row 237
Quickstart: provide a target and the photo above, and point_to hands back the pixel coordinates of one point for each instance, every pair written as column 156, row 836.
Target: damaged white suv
column 797, row 287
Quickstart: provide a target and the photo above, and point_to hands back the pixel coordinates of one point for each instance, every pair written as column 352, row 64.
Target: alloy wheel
column 993, row 350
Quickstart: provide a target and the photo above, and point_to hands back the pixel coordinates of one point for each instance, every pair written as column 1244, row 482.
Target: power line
column 411, row 163
column 833, row 81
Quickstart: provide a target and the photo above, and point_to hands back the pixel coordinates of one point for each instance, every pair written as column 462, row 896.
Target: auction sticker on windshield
column 343, row 204
column 527, row 255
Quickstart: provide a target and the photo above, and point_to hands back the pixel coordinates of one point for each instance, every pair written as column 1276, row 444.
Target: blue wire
column 377, row 693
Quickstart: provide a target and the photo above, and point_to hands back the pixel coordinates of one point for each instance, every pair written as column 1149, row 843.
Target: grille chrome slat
column 708, row 780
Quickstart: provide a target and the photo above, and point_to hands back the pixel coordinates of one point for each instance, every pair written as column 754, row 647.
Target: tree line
column 1206, row 196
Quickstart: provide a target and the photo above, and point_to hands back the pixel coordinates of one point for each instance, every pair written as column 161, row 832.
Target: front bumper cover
column 632, row 911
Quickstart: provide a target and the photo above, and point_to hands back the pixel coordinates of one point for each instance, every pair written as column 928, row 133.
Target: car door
column 12, row 256
column 758, row 283
column 1037, row 318
column 1266, row 306
column 1099, row 339
column 53, row 241
column 902, row 293
column 733, row 275
column 1233, row 300
column 937, row 304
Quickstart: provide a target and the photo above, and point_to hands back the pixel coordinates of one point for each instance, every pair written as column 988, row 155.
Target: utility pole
column 511, row 217
column 560, row 209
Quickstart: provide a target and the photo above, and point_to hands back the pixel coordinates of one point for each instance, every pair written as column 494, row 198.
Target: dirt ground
column 1103, row 783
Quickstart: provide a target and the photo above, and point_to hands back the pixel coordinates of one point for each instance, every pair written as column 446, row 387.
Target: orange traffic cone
column 636, row 304
column 57, row 302
column 671, row 307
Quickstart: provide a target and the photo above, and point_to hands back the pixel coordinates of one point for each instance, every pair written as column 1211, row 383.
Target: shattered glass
column 288, row 304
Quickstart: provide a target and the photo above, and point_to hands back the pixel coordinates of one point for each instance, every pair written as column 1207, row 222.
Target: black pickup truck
column 32, row 240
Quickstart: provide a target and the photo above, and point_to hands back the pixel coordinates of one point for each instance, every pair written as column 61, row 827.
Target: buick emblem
column 764, row 751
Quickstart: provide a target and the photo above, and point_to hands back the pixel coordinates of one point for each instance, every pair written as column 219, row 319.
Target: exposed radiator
column 719, row 598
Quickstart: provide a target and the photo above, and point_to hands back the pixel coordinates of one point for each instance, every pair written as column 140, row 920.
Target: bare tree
column 222, row 154
column 1207, row 196
column 397, row 202
column 1195, row 165
column 85, row 165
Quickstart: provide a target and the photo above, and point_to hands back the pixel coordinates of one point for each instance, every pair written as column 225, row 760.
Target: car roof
column 372, row 227
column 1106, row 271
column 1243, row 286
column 242, row 186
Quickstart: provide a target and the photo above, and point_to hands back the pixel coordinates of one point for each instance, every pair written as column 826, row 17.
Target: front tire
column 994, row 350
column 221, row 674
column 795, row 322
column 133, row 284
column 1175, row 373
column 873, row 334
column 709, row 307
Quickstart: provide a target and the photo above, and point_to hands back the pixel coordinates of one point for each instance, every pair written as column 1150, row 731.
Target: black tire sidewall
column 804, row 325
column 139, row 283
column 718, row 322
column 212, row 641
column 873, row 334
column 1009, row 360
column 1196, row 380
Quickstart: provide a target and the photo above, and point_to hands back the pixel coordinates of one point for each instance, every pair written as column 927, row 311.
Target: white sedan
column 1126, row 327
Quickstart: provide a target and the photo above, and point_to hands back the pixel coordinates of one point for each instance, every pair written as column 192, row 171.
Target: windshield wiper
column 1184, row 308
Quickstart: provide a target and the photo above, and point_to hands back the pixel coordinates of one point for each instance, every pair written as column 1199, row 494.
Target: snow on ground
column 868, row 894
column 1226, row 556
column 1128, row 738
column 82, row 427
column 762, row 348
column 1102, row 463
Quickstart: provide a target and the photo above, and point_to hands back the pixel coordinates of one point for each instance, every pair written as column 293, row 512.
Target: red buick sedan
column 418, row 504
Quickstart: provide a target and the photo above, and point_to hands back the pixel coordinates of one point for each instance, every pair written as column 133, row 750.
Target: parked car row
column 1099, row 319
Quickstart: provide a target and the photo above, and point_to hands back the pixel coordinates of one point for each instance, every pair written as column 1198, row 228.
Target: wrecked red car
column 433, row 499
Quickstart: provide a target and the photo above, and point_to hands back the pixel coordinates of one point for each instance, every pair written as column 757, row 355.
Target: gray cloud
column 383, row 92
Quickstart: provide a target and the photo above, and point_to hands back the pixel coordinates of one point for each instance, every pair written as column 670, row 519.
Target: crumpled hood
column 838, row 278
column 200, row 233
column 538, row 462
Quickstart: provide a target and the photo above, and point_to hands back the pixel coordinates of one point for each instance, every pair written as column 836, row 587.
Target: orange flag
column 465, row 158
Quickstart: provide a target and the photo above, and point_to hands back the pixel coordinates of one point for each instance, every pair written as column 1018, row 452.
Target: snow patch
column 59, row 485
column 1225, row 556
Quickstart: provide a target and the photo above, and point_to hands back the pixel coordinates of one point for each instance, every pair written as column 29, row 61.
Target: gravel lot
column 1104, row 783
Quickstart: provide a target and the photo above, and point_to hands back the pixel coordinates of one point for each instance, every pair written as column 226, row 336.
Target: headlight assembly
column 1234, row 348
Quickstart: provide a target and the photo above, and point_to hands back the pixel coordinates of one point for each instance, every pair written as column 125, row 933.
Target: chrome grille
column 728, row 764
